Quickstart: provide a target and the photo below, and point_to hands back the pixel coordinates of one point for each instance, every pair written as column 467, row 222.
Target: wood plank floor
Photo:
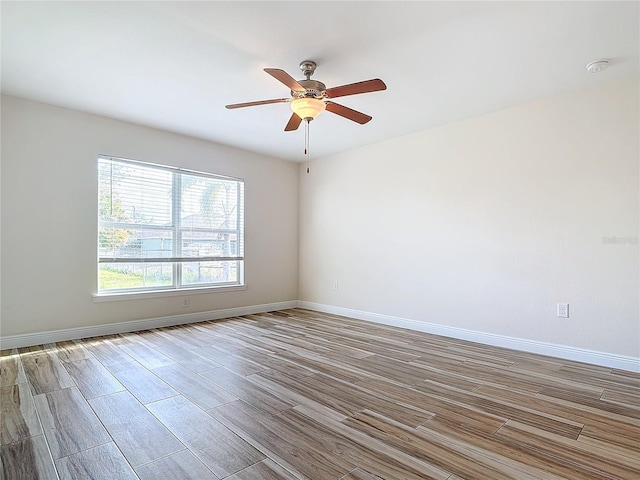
column 304, row 395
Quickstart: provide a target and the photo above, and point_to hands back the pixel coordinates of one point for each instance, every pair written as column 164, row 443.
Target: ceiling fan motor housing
column 313, row 89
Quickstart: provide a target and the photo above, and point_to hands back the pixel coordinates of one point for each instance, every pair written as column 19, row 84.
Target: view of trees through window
column 160, row 227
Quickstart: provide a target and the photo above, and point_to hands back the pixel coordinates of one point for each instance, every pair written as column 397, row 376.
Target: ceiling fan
column 309, row 98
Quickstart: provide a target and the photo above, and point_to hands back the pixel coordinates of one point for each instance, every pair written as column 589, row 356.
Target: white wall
column 488, row 223
column 49, row 225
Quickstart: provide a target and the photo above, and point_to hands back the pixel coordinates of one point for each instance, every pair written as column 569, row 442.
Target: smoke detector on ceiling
column 597, row 66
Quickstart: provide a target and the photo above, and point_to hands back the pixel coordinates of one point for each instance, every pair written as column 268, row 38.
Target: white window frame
column 177, row 259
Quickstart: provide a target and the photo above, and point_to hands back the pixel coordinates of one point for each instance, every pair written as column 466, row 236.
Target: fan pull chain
column 306, row 144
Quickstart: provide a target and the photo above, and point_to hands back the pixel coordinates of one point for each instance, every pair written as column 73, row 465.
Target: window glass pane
column 134, row 194
column 197, row 273
column 134, row 275
column 111, row 240
column 209, row 203
column 135, row 243
column 207, row 244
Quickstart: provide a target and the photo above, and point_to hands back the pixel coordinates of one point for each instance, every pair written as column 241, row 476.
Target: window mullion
column 176, row 208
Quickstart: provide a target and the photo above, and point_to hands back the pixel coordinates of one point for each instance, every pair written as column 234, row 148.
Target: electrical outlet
column 563, row 310
column 185, row 302
column 335, row 284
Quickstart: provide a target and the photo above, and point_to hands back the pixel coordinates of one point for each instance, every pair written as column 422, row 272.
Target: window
column 164, row 228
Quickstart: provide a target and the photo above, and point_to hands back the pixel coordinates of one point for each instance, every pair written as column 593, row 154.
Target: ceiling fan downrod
column 308, row 67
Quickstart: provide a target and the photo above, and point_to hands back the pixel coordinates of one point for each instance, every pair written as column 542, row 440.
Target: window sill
column 119, row 296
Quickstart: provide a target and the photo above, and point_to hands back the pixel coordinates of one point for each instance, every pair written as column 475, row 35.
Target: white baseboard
column 561, row 351
column 40, row 338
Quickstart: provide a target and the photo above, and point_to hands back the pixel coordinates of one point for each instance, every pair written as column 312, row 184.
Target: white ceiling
column 174, row 65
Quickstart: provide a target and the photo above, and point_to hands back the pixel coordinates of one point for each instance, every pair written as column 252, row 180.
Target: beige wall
column 49, row 201
column 488, row 223
column 485, row 224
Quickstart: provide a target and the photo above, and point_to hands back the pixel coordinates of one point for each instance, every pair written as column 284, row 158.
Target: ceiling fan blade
column 261, row 102
column 294, row 123
column 355, row 88
column 347, row 112
column 285, row 78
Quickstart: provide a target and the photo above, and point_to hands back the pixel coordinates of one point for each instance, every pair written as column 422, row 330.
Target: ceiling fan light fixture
column 308, row 108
